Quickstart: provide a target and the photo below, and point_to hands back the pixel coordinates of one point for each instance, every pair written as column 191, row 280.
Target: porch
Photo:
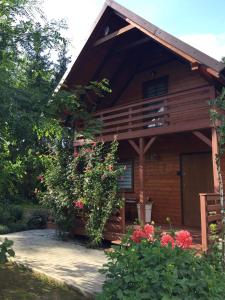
column 160, row 177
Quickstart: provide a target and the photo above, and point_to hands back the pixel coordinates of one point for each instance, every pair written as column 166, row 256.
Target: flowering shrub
column 97, row 184
column 160, row 266
column 182, row 239
column 84, row 182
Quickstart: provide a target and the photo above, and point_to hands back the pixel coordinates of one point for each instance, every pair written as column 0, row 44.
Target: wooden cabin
column 159, row 112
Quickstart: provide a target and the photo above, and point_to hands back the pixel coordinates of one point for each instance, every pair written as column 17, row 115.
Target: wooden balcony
column 182, row 111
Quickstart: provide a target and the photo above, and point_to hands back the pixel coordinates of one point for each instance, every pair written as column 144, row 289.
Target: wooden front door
column 197, row 177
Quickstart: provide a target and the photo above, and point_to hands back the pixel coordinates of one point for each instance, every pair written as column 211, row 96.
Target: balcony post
column 141, row 179
column 204, row 224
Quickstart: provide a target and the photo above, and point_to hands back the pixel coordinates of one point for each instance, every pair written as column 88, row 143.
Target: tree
column 33, row 58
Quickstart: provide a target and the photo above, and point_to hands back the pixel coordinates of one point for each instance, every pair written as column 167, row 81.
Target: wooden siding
column 162, row 180
column 179, row 74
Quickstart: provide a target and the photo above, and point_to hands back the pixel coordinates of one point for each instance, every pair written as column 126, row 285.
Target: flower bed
column 160, row 266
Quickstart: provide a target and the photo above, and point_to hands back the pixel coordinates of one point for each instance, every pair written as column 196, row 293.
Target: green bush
column 16, row 213
column 146, row 270
column 6, row 250
column 10, row 214
column 37, row 220
column 19, row 226
column 4, row 229
column 4, row 215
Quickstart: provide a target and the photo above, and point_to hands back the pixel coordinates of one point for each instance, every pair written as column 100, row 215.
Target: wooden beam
column 203, row 138
column 134, row 145
column 214, row 159
column 113, row 34
column 149, row 144
column 195, row 66
column 141, row 180
column 163, row 42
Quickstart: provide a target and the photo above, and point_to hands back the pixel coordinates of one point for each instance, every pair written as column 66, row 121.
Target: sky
column 201, row 23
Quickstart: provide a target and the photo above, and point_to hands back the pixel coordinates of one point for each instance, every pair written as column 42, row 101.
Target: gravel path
column 66, row 261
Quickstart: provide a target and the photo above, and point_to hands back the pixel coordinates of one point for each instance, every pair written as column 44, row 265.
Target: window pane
column 126, row 180
column 156, row 87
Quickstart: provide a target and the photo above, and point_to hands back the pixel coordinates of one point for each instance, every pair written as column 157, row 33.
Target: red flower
column 183, row 239
column 138, row 235
column 79, row 204
column 167, row 239
column 149, row 231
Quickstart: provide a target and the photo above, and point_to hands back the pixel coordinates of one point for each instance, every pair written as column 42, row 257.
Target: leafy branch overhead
column 33, row 59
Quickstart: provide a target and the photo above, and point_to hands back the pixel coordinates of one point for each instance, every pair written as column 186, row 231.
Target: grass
column 19, row 283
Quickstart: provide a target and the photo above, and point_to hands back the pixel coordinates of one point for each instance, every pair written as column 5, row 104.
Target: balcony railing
column 181, row 111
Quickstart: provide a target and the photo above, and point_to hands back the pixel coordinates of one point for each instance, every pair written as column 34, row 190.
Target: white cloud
column 211, row 44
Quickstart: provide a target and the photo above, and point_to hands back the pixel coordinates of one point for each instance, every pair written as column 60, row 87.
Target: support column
column 141, row 179
column 214, row 158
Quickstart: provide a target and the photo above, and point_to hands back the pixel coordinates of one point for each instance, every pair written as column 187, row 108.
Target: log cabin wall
column 162, row 181
column 180, row 77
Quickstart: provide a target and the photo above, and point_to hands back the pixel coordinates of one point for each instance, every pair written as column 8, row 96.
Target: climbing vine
column 84, row 182
column 97, row 186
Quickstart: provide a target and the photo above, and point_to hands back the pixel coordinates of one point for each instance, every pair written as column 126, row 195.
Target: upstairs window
column 155, row 88
column 126, row 180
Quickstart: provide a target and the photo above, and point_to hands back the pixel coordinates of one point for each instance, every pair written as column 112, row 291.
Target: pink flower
column 138, row 235
column 149, row 231
column 167, row 239
column 183, row 239
column 79, row 204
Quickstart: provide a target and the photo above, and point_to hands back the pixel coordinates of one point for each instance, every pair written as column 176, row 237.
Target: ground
column 18, row 283
column 66, row 261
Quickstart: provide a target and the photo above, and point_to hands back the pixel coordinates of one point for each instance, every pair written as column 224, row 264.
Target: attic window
column 106, row 30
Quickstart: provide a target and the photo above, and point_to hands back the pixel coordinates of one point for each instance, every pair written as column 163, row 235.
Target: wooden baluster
column 204, row 222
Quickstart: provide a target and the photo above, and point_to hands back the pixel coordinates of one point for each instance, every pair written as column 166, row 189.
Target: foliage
column 10, row 214
column 217, row 109
column 37, row 220
column 33, row 58
column 97, row 186
column 88, row 178
column 151, row 269
column 4, row 229
column 6, row 250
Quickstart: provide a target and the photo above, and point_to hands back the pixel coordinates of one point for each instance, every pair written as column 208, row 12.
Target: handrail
column 153, row 100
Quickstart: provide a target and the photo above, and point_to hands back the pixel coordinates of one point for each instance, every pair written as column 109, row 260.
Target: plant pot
column 148, row 212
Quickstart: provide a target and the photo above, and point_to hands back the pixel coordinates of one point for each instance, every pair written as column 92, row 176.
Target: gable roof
column 189, row 53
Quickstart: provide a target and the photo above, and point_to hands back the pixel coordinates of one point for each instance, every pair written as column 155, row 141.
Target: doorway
column 197, row 177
